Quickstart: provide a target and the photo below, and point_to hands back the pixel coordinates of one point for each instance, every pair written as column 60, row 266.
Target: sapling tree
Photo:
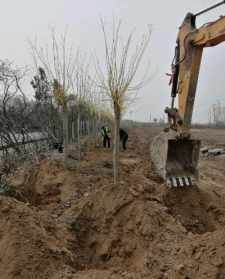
column 59, row 63
column 118, row 77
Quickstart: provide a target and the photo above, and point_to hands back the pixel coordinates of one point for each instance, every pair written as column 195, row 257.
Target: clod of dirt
column 31, row 244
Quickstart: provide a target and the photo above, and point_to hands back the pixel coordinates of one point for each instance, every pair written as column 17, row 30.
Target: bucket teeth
column 174, row 182
column 179, row 181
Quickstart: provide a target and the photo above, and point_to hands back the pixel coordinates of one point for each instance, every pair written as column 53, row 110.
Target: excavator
column 175, row 151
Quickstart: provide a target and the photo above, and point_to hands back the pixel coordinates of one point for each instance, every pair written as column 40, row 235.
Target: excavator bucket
column 175, row 160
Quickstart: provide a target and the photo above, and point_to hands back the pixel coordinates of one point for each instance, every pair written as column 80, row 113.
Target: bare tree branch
column 117, row 77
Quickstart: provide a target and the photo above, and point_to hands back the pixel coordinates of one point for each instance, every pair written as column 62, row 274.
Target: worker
column 123, row 138
column 173, row 117
column 105, row 132
column 60, row 147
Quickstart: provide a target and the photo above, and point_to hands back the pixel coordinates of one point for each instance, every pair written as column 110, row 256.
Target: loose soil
column 77, row 224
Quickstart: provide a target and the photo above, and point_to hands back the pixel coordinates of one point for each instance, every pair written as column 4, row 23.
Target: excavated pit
column 190, row 206
column 77, row 225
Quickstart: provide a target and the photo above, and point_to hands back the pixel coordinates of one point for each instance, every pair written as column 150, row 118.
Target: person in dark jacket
column 123, row 138
column 105, row 132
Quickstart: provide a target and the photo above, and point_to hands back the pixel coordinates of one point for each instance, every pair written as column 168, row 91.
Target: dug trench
column 77, row 224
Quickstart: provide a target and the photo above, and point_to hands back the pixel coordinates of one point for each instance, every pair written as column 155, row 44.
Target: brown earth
column 76, row 224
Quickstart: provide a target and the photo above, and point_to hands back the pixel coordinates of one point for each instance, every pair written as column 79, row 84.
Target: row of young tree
column 69, row 99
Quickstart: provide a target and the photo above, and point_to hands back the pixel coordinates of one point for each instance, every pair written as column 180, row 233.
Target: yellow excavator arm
column 175, row 152
column 190, row 44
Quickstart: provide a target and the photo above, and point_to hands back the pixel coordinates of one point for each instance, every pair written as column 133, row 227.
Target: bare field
column 212, row 137
column 76, row 224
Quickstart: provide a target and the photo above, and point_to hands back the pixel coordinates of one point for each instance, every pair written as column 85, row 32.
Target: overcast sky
column 21, row 20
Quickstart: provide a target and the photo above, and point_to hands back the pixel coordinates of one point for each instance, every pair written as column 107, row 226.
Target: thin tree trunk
column 65, row 132
column 69, row 130
column 73, row 131
column 116, row 146
column 78, row 136
column 88, row 127
column 95, row 131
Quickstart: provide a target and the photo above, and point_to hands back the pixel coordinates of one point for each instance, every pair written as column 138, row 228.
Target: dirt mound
column 119, row 229
column 139, row 235
column 192, row 208
column 40, row 183
column 77, row 225
column 32, row 245
column 201, row 256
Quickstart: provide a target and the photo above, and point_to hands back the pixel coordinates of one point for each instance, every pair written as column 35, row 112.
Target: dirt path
column 76, row 224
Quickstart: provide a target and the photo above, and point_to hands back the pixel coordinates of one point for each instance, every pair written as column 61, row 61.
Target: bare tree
column 83, row 89
column 14, row 107
column 59, row 63
column 15, row 115
column 117, row 78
